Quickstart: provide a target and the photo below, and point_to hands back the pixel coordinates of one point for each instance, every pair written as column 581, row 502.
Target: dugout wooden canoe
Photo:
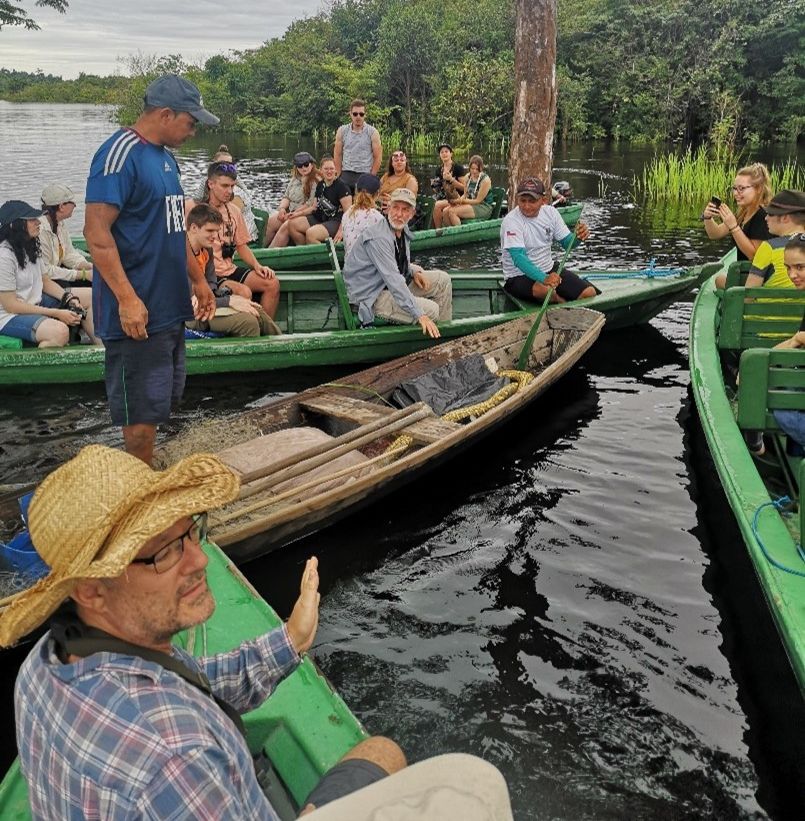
column 752, row 484
column 356, row 413
column 315, row 334
column 303, row 728
column 309, row 257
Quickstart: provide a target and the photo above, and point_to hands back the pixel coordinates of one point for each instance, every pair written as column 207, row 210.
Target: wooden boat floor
column 425, row 431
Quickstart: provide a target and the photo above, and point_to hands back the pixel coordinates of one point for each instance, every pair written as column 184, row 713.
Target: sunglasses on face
column 358, row 113
column 302, row 164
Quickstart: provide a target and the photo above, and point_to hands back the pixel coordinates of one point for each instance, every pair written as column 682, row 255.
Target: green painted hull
column 316, row 256
column 743, row 484
column 315, row 335
column 304, row 727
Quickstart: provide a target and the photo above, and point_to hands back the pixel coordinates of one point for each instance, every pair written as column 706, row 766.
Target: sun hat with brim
column 403, row 195
column 56, row 194
column 174, row 92
column 124, row 503
column 18, row 210
column 786, row 201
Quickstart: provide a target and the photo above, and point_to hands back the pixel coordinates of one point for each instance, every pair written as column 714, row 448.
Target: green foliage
column 694, row 175
column 723, row 72
column 13, row 15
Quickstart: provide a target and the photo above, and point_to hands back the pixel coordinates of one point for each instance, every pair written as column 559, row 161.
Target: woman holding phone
column 747, row 228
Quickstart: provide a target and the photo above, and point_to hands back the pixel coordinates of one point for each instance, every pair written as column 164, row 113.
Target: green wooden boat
column 313, row 318
column 725, row 321
column 317, row 256
column 304, row 728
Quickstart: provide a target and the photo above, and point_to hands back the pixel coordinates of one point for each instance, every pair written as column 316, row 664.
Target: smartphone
column 716, row 201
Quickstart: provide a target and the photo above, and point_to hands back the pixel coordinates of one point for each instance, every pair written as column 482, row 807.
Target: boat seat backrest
column 499, row 195
column 737, row 273
column 771, row 315
column 769, row 380
column 425, row 205
column 341, row 288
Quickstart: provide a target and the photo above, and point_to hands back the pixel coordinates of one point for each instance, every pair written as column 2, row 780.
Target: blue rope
column 651, row 272
column 778, row 504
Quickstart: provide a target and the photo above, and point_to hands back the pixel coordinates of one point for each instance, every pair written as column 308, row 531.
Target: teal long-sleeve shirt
column 524, row 264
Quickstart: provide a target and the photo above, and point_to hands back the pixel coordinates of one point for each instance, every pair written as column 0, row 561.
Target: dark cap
column 178, row 94
column 531, row 187
column 786, row 201
column 368, row 182
column 444, row 145
column 18, row 210
column 302, row 158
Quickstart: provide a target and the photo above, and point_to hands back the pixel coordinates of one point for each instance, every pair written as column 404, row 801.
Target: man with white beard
column 382, row 281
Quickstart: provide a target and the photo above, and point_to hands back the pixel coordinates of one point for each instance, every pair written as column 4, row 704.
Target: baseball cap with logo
column 786, row 201
column 178, row 94
column 56, row 194
column 531, row 187
column 403, row 195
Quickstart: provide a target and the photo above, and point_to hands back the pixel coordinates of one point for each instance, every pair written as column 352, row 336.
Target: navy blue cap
column 178, row 94
column 368, row 182
column 18, row 210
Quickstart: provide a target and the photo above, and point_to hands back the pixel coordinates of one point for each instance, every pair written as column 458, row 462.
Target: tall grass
column 697, row 174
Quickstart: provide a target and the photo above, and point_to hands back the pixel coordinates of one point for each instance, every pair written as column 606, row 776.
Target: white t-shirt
column 354, row 223
column 535, row 234
column 26, row 281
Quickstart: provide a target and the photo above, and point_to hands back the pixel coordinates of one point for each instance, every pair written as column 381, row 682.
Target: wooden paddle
column 522, row 360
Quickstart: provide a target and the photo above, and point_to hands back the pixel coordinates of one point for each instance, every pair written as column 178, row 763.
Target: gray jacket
column 371, row 266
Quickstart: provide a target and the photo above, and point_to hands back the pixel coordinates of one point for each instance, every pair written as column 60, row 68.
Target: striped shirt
column 118, row 737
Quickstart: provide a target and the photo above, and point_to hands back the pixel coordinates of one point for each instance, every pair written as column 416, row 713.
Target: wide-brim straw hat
column 90, row 518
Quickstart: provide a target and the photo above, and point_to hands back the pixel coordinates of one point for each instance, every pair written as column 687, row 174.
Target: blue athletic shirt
column 142, row 181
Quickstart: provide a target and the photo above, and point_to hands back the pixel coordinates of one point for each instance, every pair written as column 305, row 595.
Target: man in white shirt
column 526, row 234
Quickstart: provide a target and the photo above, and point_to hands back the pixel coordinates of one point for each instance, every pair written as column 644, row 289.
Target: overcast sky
column 94, row 33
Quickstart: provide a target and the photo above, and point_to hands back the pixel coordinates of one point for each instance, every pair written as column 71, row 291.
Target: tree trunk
column 531, row 152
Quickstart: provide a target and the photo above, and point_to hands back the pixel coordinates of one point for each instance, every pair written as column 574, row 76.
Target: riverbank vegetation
column 721, row 71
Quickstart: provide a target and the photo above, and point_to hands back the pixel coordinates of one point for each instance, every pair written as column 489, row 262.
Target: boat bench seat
column 772, row 315
column 425, row 431
column 769, row 380
column 737, row 273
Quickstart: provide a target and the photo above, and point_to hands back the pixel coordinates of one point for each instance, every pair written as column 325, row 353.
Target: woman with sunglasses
column 477, row 200
column 60, row 260
column 323, row 219
column 399, row 175
column 299, row 193
column 747, row 228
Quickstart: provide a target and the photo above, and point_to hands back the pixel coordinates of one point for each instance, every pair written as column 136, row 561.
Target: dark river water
column 570, row 599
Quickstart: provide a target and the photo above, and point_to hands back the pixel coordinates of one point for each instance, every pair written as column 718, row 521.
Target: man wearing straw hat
column 112, row 720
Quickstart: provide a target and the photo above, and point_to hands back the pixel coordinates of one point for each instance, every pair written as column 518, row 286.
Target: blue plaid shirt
column 117, row 737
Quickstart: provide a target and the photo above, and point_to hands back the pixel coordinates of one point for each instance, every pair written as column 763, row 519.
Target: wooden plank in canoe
column 424, row 431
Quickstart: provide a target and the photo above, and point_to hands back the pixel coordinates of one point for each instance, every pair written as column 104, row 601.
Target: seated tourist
column 233, row 236
column 362, row 213
column 447, row 184
column 381, row 280
column 60, row 260
column 785, row 215
column 561, row 193
column 234, row 314
column 476, row 202
column 398, row 175
column 317, row 223
column 113, row 720
column 526, row 235
column 299, row 193
column 241, row 198
column 32, row 307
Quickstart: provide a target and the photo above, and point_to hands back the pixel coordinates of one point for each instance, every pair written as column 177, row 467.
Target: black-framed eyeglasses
column 170, row 555
column 358, row 113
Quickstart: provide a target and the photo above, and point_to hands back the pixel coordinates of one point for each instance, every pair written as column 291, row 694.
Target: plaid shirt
column 117, row 737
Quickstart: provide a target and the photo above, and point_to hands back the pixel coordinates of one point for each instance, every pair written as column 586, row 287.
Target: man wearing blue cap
column 135, row 232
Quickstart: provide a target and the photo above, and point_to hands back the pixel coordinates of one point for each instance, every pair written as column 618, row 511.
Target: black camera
column 437, row 184
column 70, row 302
column 228, row 250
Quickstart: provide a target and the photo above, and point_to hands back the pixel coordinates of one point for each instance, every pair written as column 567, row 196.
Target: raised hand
column 304, row 619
